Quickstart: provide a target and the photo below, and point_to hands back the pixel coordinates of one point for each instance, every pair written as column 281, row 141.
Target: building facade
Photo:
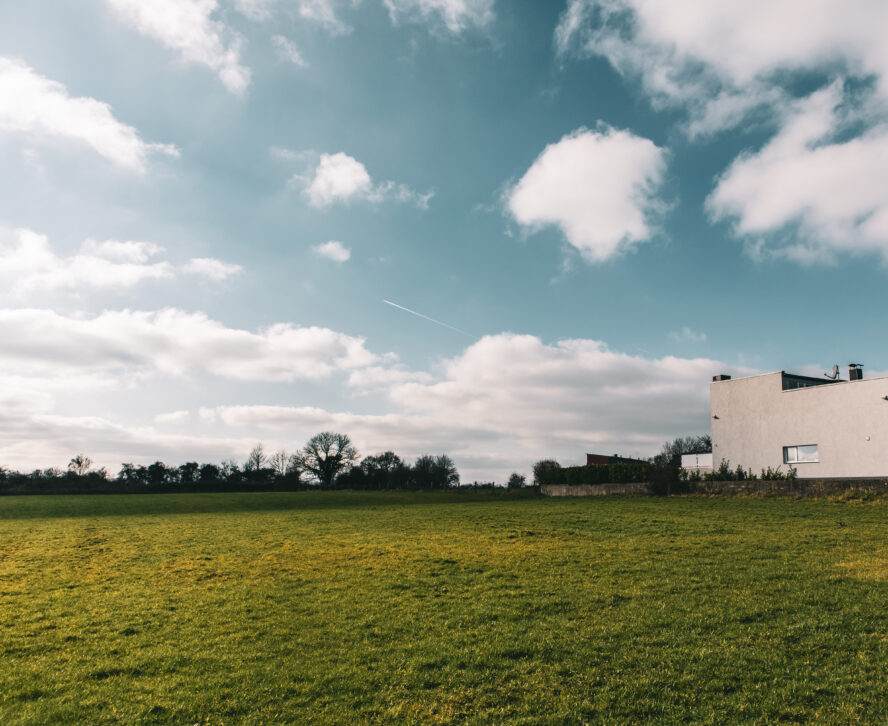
column 823, row 428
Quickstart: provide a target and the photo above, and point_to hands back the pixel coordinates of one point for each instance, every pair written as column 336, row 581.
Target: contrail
column 426, row 317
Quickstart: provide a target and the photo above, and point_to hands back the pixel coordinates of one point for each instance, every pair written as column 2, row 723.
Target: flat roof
column 801, row 377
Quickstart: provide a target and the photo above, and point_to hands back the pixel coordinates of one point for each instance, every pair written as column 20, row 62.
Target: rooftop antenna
column 835, row 373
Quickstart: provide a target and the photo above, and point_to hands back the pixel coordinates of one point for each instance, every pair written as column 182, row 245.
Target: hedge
column 609, row 474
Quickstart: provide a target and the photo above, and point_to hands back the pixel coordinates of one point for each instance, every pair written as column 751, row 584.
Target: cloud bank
column 29, row 265
column 501, row 404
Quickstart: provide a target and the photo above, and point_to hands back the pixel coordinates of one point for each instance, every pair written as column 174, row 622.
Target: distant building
column 699, row 463
column 604, row 460
column 821, row 427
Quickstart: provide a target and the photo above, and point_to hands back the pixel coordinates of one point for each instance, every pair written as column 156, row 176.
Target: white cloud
column 341, row 178
column 288, row 51
column 383, row 377
column 187, row 26
column 130, row 343
column 174, row 417
column 32, row 439
column 255, row 9
column 457, row 15
column 723, row 60
column 686, row 335
column 598, row 187
column 211, row 268
column 338, row 177
column 41, row 109
column 806, row 195
column 323, row 13
column 333, row 250
column 28, row 264
column 123, row 252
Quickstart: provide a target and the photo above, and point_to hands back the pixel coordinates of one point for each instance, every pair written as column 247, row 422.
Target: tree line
column 328, row 460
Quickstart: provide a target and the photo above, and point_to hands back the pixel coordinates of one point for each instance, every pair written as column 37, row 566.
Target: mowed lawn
column 345, row 608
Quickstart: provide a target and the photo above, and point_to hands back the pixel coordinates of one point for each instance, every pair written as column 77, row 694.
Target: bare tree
column 228, row 468
column 279, row 461
column 257, row 458
column 672, row 451
column 80, row 465
column 325, row 455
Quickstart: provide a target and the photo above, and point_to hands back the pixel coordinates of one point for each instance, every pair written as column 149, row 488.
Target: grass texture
column 348, row 608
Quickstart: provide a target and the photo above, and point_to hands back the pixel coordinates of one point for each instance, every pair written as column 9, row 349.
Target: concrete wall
column 592, row 490
column 753, row 419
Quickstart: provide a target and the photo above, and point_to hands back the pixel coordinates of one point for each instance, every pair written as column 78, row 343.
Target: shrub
column 517, row 481
column 770, row 474
column 546, row 471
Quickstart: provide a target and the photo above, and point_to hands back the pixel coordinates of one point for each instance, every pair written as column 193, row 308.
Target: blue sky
column 204, row 204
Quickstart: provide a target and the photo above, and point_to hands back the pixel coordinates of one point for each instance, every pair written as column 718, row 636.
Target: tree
column 664, row 478
column 516, row 480
column 672, row 451
column 188, row 473
column 209, row 475
column 325, row 455
column 542, row 471
column 128, row 474
column 257, row 458
column 80, row 465
column 435, row 472
column 230, row 474
column 384, row 471
column 161, row 475
column 279, row 462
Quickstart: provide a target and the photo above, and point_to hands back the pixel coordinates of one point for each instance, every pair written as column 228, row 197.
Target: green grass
column 342, row 608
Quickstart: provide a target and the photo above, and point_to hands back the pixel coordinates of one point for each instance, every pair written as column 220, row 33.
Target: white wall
column 753, row 419
column 696, row 461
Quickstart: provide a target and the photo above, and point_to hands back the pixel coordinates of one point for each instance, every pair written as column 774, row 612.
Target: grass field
column 341, row 608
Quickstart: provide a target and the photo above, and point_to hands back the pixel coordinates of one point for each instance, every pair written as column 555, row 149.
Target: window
column 806, row 454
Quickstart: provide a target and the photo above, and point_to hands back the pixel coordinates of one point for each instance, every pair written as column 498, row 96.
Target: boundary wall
column 785, row 487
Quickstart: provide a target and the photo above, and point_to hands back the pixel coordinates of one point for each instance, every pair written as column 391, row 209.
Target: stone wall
column 791, row 488
column 592, row 490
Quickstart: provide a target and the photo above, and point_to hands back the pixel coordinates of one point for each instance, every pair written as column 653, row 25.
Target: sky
column 504, row 231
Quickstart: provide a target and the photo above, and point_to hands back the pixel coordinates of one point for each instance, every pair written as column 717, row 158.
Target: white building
column 699, row 463
column 821, row 427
